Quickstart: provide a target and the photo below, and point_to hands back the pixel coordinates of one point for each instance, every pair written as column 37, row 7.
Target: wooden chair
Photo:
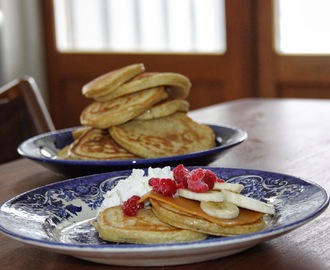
column 23, row 114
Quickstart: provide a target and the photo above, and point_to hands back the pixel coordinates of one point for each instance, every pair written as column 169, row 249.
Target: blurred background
column 229, row 49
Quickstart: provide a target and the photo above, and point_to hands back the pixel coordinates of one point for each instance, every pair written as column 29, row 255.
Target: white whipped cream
column 135, row 184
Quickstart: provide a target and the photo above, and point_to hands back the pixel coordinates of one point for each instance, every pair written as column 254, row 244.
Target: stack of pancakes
column 144, row 228
column 164, row 223
column 137, row 114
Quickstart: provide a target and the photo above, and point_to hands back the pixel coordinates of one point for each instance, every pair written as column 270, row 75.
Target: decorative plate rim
column 214, row 242
column 242, row 136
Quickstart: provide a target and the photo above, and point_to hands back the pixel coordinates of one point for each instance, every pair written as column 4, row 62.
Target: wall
column 21, row 49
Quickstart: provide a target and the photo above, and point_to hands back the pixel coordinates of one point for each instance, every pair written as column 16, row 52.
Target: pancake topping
column 198, row 192
column 193, row 201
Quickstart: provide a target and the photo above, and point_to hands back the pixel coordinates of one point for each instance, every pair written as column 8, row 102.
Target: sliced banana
column 248, row 203
column 212, row 196
column 223, row 209
column 234, row 187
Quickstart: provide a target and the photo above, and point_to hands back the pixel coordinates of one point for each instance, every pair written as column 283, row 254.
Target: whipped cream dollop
column 135, row 184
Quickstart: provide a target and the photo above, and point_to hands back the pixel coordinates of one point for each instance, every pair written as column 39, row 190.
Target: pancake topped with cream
column 175, row 198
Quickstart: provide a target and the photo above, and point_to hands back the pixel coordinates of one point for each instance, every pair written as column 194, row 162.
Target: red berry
column 163, row 186
column 201, row 180
column 153, row 181
column 131, row 206
column 180, row 174
column 210, row 178
column 195, row 181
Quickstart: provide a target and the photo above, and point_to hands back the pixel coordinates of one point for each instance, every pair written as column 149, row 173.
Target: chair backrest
column 23, row 114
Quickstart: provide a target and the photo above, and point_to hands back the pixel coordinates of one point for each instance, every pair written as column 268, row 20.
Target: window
column 184, row 36
column 185, row 26
column 302, row 26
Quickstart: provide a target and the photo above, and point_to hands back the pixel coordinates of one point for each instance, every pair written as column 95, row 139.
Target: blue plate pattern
column 57, row 217
column 43, row 149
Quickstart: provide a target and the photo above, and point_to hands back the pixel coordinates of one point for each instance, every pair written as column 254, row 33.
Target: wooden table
column 289, row 136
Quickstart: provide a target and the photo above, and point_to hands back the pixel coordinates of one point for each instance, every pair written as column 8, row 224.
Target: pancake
column 120, row 110
column 63, row 153
column 175, row 134
column 180, row 219
column 165, row 108
column 144, row 228
column 177, row 85
column 96, row 144
column 110, row 81
column 76, row 134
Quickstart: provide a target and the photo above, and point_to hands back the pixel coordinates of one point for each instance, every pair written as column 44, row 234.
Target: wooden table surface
column 289, row 136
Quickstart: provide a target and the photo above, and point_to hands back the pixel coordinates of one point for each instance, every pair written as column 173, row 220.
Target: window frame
column 284, row 75
column 214, row 77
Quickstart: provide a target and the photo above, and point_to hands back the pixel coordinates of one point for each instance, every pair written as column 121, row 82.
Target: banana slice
column 223, row 209
column 212, row 196
column 248, row 203
column 234, row 187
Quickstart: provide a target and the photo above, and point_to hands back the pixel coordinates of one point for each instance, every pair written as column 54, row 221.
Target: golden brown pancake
column 120, row 110
column 144, row 228
column 77, row 133
column 177, row 85
column 63, row 153
column 165, row 108
column 175, row 134
column 96, row 144
column 184, row 220
column 110, row 81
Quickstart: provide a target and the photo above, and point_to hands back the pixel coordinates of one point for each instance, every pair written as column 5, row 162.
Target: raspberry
column 210, row 178
column 163, row 186
column 153, row 181
column 131, row 206
column 180, row 174
column 201, row 180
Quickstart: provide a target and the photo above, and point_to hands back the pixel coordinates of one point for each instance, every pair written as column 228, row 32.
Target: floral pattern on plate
column 57, row 217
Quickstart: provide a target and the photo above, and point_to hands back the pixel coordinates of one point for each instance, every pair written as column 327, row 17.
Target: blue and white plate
column 57, row 217
column 43, row 149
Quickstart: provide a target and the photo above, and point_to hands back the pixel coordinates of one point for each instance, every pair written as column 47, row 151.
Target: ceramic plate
column 57, row 217
column 43, row 149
